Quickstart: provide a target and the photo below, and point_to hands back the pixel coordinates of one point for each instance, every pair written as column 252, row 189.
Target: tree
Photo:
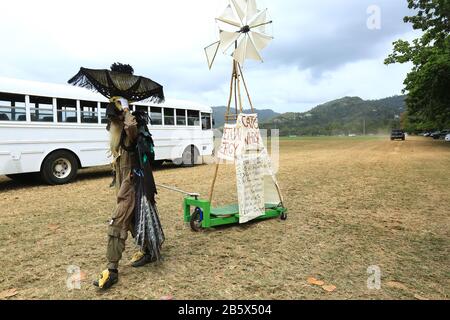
column 428, row 83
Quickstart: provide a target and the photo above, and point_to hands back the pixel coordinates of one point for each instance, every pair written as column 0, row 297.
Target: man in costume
column 132, row 152
column 123, row 130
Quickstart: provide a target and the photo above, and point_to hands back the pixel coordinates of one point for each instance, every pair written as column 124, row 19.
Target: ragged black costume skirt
column 149, row 235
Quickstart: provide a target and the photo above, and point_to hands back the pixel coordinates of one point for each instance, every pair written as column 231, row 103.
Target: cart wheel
column 284, row 216
column 196, row 220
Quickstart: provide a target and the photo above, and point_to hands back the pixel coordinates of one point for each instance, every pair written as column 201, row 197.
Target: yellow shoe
column 107, row 279
column 137, row 256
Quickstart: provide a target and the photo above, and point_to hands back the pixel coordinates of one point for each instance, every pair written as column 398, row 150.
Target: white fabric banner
column 230, row 142
column 256, row 183
column 253, row 170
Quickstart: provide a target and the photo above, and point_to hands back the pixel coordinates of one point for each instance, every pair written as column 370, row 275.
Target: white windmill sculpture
column 242, row 28
column 243, row 33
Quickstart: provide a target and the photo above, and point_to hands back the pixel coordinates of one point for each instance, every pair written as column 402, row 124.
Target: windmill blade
column 229, row 22
column 239, row 53
column 229, row 17
column 246, row 50
column 260, row 40
column 211, row 53
column 227, row 39
column 252, row 10
column 259, row 20
column 252, row 51
column 239, row 7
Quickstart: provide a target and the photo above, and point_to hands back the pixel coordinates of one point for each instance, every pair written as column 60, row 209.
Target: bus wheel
column 190, row 156
column 59, row 167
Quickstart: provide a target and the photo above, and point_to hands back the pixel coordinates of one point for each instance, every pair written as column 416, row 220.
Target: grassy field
column 353, row 203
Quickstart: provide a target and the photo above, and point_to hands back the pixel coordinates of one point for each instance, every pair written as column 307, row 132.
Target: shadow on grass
column 33, row 179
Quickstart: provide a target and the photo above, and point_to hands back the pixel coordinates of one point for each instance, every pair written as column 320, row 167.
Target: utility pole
column 364, row 126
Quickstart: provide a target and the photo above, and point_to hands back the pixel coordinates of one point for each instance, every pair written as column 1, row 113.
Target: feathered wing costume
column 122, row 83
column 148, row 230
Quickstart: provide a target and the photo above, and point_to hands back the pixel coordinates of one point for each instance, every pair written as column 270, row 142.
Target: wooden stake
column 211, row 192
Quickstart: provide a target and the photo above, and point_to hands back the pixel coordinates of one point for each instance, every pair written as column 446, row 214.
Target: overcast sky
column 322, row 49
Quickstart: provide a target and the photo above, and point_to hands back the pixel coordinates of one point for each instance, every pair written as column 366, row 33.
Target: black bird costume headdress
column 119, row 82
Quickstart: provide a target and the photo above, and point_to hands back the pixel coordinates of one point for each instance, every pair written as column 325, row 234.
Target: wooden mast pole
column 238, row 91
column 227, row 117
column 246, row 89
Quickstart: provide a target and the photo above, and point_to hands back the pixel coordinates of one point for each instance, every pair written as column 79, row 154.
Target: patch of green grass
column 334, row 138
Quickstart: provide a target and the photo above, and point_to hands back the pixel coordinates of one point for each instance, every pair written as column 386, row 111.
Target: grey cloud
column 318, row 36
column 338, row 36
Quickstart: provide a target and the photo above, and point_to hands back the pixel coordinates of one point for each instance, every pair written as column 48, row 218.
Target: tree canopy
column 427, row 85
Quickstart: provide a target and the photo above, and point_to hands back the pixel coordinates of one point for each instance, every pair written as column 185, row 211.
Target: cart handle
column 190, row 194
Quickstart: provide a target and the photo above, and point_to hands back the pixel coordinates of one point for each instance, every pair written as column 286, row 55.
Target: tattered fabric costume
column 149, row 235
column 132, row 150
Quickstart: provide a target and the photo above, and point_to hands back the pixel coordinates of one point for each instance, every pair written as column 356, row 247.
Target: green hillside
column 349, row 115
column 263, row 115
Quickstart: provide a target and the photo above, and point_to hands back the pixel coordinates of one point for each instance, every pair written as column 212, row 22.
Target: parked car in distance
column 398, row 134
column 447, row 137
column 442, row 134
column 435, row 134
column 427, row 134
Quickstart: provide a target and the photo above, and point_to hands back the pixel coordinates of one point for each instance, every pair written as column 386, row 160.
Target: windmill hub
column 245, row 29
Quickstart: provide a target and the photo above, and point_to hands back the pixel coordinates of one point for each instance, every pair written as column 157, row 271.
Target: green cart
column 204, row 216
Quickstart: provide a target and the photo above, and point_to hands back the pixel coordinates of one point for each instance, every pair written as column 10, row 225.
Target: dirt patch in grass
column 352, row 204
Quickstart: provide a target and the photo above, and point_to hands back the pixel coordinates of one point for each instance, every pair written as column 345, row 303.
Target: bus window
column 88, row 112
column 141, row 108
column 103, row 107
column 156, row 116
column 193, row 118
column 12, row 107
column 206, row 121
column 169, row 117
column 41, row 109
column 66, row 110
column 181, row 117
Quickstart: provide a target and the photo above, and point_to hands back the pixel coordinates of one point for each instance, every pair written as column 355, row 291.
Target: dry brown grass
column 352, row 204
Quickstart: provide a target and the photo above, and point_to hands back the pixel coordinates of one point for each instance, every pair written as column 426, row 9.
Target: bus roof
column 66, row 91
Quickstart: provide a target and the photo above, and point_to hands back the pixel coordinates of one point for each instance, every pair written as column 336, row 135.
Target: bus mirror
column 214, row 122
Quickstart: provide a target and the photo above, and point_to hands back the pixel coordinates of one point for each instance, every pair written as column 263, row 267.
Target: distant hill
column 263, row 115
column 349, row 115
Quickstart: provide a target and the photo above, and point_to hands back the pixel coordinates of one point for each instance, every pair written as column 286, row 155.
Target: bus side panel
column 171, row 143
column 12, row 162
column 23, row 149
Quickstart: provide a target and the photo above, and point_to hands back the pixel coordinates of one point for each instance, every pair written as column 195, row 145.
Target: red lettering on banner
column 250, row 122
